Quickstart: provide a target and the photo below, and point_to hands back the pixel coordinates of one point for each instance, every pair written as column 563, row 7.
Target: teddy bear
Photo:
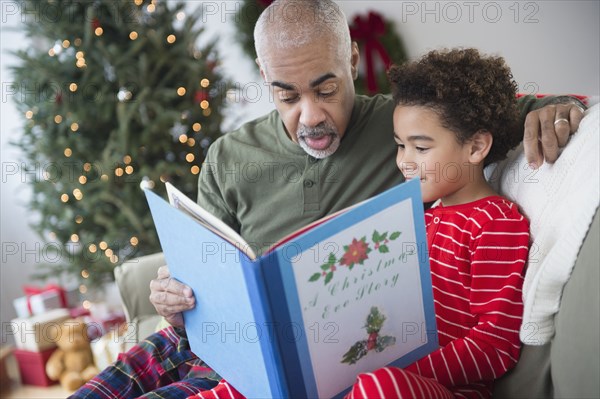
column 72, row 363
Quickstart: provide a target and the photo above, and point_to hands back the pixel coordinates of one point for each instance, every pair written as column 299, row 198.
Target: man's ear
column 480, row 145
column 354, row 60
column 260, row 68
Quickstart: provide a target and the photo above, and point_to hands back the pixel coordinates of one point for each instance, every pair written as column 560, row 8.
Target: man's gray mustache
column 316, row 132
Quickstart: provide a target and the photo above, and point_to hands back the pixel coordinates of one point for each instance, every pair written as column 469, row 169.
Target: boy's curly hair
column 469, row 91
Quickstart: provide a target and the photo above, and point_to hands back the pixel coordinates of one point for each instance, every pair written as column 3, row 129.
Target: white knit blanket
column 560, row 201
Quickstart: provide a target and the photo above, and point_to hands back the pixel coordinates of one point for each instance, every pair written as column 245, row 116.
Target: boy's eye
column 421, row 149
column 400, row 145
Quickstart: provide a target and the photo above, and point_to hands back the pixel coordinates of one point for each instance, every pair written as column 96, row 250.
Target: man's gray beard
column 320, row 154
column 321, row 130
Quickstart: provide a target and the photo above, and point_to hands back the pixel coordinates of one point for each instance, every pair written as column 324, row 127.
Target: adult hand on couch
column 548, row 129
column 170, row 297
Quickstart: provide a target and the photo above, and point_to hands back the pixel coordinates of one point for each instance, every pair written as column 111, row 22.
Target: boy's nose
column 408, row 168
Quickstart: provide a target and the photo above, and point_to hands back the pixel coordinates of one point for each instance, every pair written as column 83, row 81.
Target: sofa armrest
column 133, row 280
column 569, row 365
column 575, row 352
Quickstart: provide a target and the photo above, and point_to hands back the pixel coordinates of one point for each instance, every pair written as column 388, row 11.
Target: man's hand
column 548, row 129
column 170, row 297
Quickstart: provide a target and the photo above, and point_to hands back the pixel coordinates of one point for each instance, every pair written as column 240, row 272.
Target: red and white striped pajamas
column 478, row 253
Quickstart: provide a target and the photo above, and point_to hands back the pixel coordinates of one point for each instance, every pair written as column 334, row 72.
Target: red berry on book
column 372, row 341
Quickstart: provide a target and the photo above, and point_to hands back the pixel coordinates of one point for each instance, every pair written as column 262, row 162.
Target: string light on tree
column 124, row 94
column 178, row 130
column 146, row 183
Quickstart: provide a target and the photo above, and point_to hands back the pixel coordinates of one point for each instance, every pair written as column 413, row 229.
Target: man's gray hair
column 290, row 24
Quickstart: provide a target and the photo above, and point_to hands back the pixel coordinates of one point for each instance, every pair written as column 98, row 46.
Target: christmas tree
column 116, row 96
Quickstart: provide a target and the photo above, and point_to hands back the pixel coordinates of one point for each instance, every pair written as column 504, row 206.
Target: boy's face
column 430, row 152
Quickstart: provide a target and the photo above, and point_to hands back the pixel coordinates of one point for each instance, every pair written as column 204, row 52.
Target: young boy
column 455, row 113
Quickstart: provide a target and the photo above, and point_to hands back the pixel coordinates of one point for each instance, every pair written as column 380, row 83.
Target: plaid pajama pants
column 162, row 366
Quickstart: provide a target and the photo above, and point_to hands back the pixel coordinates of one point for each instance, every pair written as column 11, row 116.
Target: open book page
column 180, row 201
column 311, row 226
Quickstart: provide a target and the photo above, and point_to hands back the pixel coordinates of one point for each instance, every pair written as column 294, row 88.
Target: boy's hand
column 170, row 297
column 547, row 130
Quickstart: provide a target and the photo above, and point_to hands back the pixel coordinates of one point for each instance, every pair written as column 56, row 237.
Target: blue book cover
column 346, row 296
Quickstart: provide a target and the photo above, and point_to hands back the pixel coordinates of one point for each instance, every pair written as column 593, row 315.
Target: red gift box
column 32, row 366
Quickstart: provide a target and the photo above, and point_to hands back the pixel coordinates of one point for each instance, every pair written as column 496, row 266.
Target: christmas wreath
column 378, row 42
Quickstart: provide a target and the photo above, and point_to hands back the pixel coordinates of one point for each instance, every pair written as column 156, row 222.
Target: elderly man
column 323, row 149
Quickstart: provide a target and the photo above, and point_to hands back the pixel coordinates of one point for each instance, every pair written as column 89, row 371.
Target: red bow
column 368, row 30
column 31, row 290
column 265, row 3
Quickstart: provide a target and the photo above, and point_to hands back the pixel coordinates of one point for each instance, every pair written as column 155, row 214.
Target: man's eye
column 328, row 90
column 400, row 145
column 422, row 149
column 288, row 98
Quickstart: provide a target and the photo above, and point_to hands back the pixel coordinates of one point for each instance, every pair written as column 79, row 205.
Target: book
column 345, row 295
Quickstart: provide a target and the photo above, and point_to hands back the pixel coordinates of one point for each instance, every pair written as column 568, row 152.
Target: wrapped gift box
column 32, row 366
column 98, row 327
column 40, row 332
column 106, row 349
column 79, row 311
column 39, row 300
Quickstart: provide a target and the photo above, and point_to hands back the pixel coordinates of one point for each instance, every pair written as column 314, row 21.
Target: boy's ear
column 480, row 145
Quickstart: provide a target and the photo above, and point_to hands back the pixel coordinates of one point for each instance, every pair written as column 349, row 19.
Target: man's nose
column 311, row 113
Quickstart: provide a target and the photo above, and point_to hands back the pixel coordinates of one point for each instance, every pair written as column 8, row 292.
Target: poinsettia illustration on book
column 355, row 253
column 374, row 341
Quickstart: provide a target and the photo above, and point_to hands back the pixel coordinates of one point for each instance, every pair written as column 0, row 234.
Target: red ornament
column 58, row 98
column 200, row 95
column 369, row 30
column 211, row 65
column 95, row 23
